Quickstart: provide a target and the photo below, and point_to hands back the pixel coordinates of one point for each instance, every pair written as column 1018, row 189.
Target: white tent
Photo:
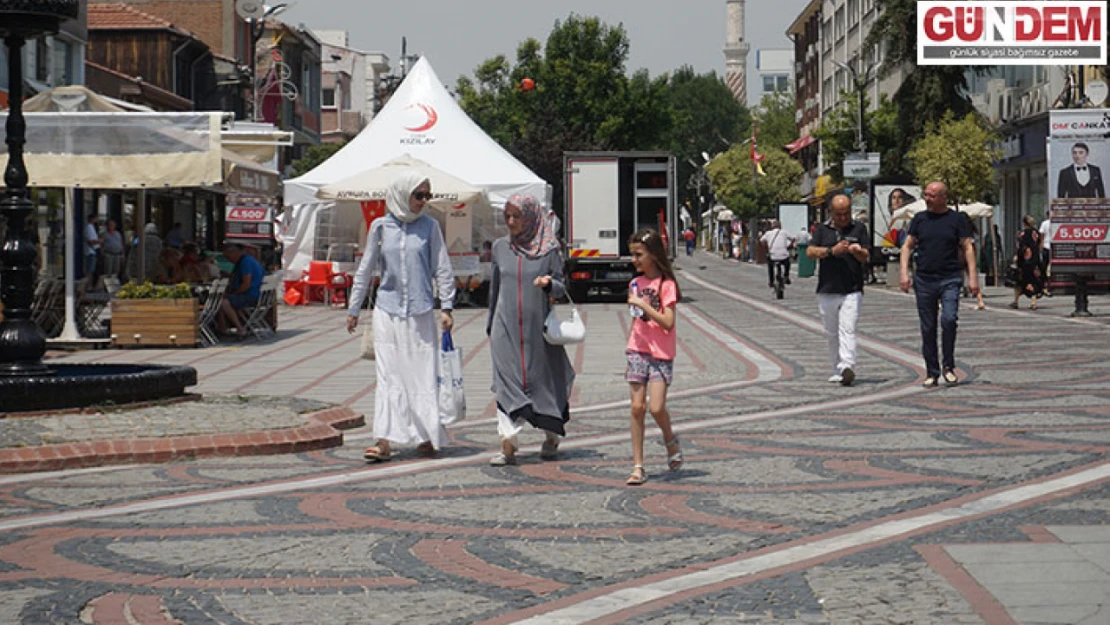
column 421, row 119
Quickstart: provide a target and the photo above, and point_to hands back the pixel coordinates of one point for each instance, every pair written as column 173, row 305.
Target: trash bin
column 806, row 265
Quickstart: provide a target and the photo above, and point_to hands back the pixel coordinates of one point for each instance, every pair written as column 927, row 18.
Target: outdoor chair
column 317, row 279
column 256, row 322
column 207, row 322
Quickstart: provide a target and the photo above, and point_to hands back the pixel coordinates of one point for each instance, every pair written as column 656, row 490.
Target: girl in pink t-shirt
column 652, row 297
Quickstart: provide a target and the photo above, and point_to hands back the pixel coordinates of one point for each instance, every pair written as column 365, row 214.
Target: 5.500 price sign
column 1081, row 233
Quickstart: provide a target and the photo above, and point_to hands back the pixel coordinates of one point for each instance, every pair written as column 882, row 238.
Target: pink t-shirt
column 646, row 335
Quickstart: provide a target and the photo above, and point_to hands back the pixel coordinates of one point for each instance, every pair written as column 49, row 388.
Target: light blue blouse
column 412, row 257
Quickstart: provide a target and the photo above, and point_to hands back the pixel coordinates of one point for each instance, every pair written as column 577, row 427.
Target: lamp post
column 258, row 27
column 859, row 83
column 21, row 341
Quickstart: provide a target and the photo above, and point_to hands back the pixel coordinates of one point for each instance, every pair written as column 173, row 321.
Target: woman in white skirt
column 408, row 247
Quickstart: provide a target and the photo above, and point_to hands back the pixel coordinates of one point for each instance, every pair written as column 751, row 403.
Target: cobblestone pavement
column 801, row 502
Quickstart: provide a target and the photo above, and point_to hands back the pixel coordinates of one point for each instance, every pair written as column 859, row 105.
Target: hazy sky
column 457, row 35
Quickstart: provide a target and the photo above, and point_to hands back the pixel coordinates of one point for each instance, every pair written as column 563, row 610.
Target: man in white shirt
column 1046, row 248
column 778, row 250
column 92, row 244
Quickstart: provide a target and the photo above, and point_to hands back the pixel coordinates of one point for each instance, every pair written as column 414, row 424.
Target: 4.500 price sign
column 1081, row 233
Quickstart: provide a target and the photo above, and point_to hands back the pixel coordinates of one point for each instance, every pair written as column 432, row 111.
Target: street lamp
column 859, row 83
column 258, row 26
column 22, row 343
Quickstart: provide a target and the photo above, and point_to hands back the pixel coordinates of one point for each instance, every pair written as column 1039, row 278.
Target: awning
column 243, row 175
column 800, row 143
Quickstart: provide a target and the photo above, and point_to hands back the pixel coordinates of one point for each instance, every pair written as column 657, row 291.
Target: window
column 768, row 84
column 853, row 11
column 329, row 98
column 839, row 23
column 42, row 60
column 782, row 84
column 63, row 68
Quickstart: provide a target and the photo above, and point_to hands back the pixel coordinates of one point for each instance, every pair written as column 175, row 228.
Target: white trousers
column 840, row 314
column 406, row 405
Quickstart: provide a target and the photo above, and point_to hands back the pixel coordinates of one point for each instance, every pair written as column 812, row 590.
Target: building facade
column 774, row 73
column 350, row 80
column 51, row 60
column 288, row 69
column 805, row 32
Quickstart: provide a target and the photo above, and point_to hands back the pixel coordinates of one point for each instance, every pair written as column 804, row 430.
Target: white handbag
column 564, row 331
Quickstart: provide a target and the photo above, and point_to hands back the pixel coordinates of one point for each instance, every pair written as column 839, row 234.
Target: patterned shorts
column 643, row 368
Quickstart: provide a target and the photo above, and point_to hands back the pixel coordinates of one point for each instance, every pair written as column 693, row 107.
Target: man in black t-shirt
column 935, row 237
column 842, row 247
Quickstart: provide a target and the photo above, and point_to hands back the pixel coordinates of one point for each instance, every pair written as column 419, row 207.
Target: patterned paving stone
column 774, row 465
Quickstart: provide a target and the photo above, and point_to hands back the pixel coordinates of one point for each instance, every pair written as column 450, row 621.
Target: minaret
column 736, row 52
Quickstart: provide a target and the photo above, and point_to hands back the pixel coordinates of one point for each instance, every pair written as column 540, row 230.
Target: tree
column 928, row 91
column 777, row 126
column 583, row 99
column 739, row 187
column 315, row 155
column 838, row 135
column 960, row 153
column 705, row 117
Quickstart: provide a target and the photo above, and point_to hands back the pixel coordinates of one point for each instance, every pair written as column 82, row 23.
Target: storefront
column 1023, row 176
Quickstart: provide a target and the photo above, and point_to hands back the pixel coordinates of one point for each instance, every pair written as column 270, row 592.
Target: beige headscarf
column 397, row 197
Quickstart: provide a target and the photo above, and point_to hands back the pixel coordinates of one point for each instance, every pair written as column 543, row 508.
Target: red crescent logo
column 432, row 118
column 459, row 207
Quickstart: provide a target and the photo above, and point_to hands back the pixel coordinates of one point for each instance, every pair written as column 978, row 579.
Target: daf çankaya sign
column 990, row 32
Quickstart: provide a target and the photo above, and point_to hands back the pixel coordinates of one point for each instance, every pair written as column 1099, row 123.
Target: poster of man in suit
column 1078, row 153
column 1080, row 179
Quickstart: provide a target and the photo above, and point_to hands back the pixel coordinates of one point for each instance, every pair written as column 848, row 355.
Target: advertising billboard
column 1078, row 161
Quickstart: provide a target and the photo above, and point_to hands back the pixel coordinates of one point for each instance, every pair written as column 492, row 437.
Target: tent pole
column 69, row 329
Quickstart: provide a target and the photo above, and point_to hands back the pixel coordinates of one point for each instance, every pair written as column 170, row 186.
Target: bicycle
column 780, row 278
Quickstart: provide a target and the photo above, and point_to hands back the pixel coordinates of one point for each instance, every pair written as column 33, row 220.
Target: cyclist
column 778, row 244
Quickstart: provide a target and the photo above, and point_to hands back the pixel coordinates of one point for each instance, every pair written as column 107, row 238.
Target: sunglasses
column 422, row 195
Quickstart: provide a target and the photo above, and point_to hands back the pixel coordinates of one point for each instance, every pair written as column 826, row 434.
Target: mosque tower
column 736, row 52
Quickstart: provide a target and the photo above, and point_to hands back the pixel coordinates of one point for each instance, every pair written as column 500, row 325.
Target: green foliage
column 838, row 135
column 929, row 91
column 705, row 118
column 960, row 153
column 315, row 155
column 583, row 99
column 747, row 194
column 147, row 290
column 775, row 121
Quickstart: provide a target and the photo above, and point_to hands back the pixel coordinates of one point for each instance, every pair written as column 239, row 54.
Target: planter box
column 155, row 323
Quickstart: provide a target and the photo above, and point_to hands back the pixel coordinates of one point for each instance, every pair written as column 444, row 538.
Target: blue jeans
column 930, row 292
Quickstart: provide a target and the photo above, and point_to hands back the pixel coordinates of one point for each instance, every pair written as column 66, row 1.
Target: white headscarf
column 397, row 198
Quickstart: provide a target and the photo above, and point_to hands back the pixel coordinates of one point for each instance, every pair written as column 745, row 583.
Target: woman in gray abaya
column 531, row 378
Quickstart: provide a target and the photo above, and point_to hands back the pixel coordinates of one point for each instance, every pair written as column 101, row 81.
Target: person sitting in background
column 244, row 287
column 175, row 238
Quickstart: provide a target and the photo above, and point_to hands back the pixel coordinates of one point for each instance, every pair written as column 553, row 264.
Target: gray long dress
column 531, row 378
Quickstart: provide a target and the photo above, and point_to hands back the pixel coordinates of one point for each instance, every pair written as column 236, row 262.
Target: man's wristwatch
column 828, row 252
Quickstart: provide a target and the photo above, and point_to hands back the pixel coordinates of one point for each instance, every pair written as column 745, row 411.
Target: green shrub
column 146, row 290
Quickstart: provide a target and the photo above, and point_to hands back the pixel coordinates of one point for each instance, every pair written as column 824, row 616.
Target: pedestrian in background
column 1046, row 251
column 651, row 346
column 1027, row 257
column 778, row 244
column 935, row 238
column 532, row 379
column 408, row 247
column 842, row 247
column 111, row 250
column 689, row 237
column 92, row 245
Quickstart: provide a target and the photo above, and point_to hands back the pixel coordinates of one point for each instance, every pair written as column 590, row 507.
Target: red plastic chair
column 317, row 279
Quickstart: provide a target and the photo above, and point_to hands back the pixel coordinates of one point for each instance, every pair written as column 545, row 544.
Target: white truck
column 609, row 196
